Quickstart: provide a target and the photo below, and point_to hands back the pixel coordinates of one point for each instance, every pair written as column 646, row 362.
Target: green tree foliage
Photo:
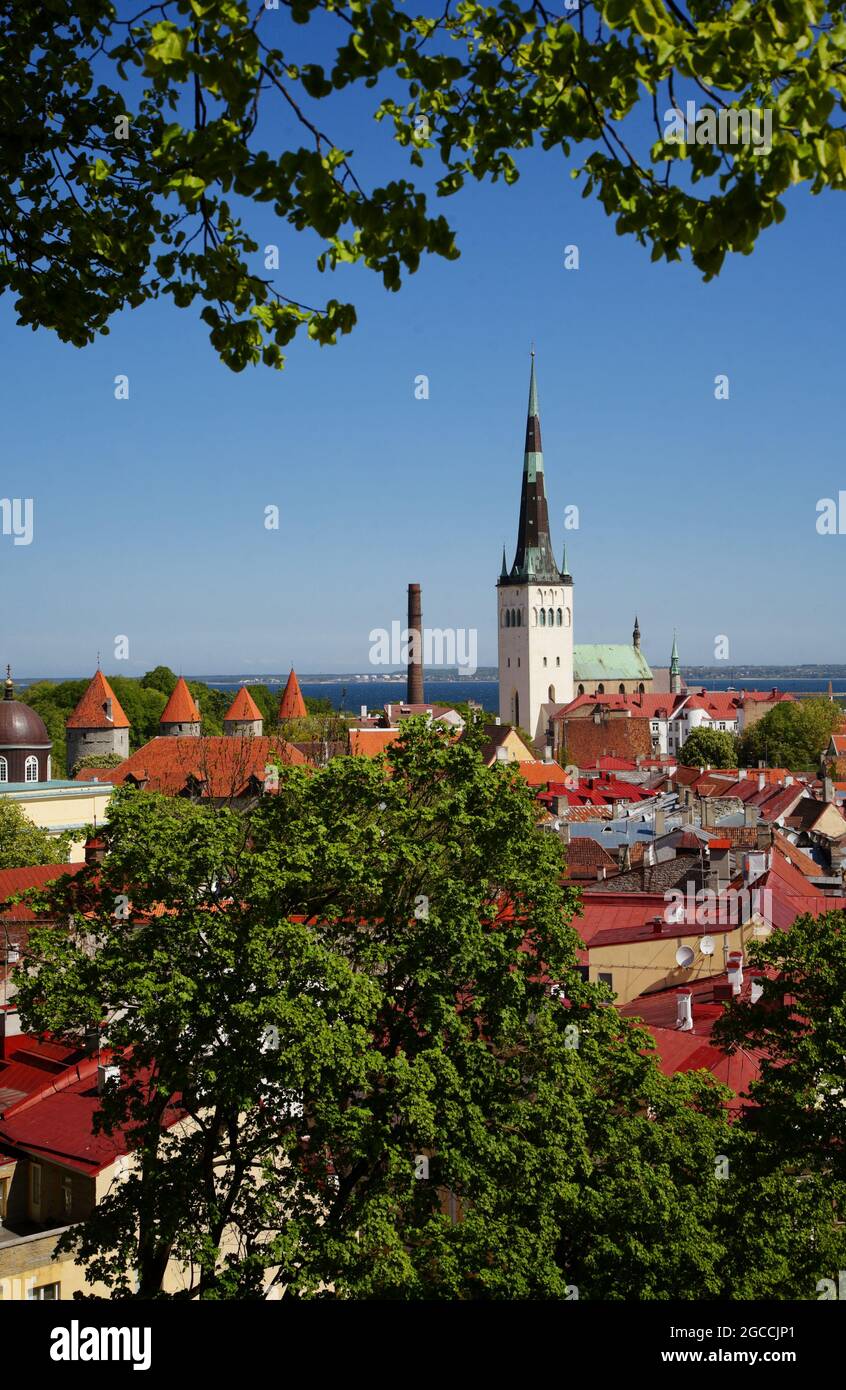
column 23, row 843
column 96, row 760
column 135, row 149
column 160, row 678
column 798, row 1127
column 714, row 746
column 354, row 980
column 792, row 734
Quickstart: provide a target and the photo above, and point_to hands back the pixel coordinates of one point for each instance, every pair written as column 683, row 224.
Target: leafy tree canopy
column 135, row 142
column 714, row 746
column 355, row 979
column 792, row 734
column 22, row 842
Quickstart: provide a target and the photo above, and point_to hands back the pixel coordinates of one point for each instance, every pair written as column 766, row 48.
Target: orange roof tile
column 181, row 708
column 292, row 705
column 90, row 713
column 539, row 774
column 243, row 707
column 221, row 766
column 370, row 743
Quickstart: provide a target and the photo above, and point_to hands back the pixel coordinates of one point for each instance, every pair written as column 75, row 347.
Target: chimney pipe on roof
column 735, row 971
column 684, row 1011
column 414, row 685
column 762, row 781
column 828, row 789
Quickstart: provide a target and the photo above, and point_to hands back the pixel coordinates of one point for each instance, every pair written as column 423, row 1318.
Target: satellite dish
column 684, row 957
column 706, row 945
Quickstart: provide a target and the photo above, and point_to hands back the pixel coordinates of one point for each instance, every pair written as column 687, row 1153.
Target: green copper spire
column 564, row 570
column 675, row 669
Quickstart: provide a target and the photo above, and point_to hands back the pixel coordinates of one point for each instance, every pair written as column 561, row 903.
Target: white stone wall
column 535, row 659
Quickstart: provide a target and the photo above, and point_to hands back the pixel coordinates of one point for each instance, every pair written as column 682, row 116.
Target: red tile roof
column 219, row 766
column 14, row 881
column 539, row 774
column 90, row 713
column 181, row 708
column 371, row 743
column 292, row 704
column 243, row 707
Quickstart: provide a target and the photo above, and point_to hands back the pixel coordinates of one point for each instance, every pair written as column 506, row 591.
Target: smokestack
column 684, row 1011
column 414, row 687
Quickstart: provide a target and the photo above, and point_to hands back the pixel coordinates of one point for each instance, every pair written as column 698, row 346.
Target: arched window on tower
column 559, row 617
column 622, row 688
column 508, row 617
column 551, row 694
column 534, row 617
column 31, row 769
column 642, row 688
column 519, row 617
column 581, row 690
column 550, row 617
column 4, row 770
column 600, row 689
column 543, row 617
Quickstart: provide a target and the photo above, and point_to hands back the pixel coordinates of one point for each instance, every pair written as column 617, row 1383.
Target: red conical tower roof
column 293, row 704
column 181, row 708
column 90, row 713
column 243, row 707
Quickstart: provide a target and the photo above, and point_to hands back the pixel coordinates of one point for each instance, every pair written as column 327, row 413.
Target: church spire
column 534, row 558
column 675, row 669
column 636, row 633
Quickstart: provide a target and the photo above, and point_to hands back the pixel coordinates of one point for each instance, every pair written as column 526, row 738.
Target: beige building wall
column 63, row 808
column 640, row 967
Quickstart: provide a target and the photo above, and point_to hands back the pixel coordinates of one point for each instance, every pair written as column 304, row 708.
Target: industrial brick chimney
column 414, row 690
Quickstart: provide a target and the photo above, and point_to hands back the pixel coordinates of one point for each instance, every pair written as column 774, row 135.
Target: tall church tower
column 535, row 605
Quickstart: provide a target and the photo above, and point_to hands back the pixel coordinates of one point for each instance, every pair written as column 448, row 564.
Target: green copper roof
column 674, row 655
column 605, row 661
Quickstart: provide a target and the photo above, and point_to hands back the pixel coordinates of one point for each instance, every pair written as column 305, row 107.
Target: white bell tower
column 535, row 606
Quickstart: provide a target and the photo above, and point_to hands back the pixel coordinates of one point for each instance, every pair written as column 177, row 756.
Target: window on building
column 622, row 689
column 600, row 689
column 509, row 661
column 4, row 770
column 543, row 617
column 641, row 689
column 519, row 617
column 559, row 617
column 518, row 661
column 31, row 769
column 605, row 979
column 550, row 617
column 551, row 694
column 558, row 661
column 67, row 1195
column 508, row 617
column 35, row 1184
column 534, row 617
column 581, row 690
column 44, row 1292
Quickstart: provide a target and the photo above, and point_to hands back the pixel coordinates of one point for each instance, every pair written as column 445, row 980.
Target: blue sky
column 695, row 513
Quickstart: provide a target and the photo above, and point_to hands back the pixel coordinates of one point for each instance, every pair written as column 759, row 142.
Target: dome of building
column 20, row 726
column 25, row 744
